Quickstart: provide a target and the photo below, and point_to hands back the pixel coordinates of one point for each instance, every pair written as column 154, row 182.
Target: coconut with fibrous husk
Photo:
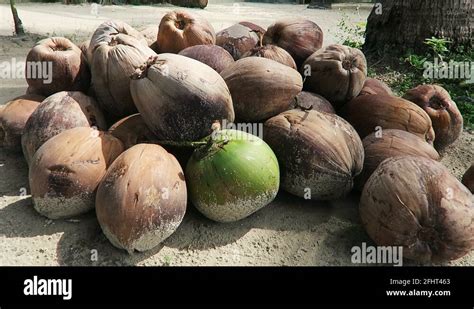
column 56, row 64
column 66, row 170
column 369, row 113
column 261, row 88
column 142, row 198
column 415, row 202
column 468, row 178
column 299, row 37
column 150, row 33
column 307, row 100
column 375, row 86
column 239, row 38
column 272, row 52
column 116, row 53
column 443, row 111
column 132, row 130
column 84, row 46
column 336, row 72
column 232, row 176
column 13, row 117
column 58, row 113
column 180, row 98
column 214, row 56
column 107, row 31
column 391, row 143
column 319, row 153
column 180, row 29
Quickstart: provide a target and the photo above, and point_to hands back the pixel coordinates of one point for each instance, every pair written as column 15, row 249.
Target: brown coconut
column 389, row 143
column 272, row 52
column 180, row 98
column 443, row 111
column 468, row 178
column 261, row 88
column 66, row 170
column 374, row 86
column 58, row 113
column 56, row 64
column 180, row 29
column 150, row 33
column 108, row 31
column 306, row 100
column 336, row 72
column 319, row 153
column 299, row 37
column 142, row 198
column 115, row 57
column 416, row 203
column 240, row 38
column 214, row 56
column 370, row 113
column 84, row 46
column 132, row 130
column 13, row 117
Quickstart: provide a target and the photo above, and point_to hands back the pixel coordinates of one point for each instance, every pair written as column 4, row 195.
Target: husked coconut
column 142, row 198
column 58, row 113
column 261, row 88
column 180, row 98
column 319, row 153
column 66, row 170
column 416, row 203
column 56, row 64
column 13, row 117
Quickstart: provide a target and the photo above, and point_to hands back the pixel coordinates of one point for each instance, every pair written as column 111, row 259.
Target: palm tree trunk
column 401, row 25
column 319, row 4
column 18, row 24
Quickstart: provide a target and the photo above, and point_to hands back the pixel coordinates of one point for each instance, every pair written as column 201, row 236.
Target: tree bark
column 319, row 4
column 190, row 3
column 405, row 24
column 16, row 19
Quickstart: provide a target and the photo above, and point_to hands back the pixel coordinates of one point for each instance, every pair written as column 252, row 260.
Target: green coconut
column 232, row 176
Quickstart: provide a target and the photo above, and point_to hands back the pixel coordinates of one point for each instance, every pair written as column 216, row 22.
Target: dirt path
column 290, row 231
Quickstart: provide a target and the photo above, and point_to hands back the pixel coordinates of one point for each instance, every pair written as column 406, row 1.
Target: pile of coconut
column 133, row 125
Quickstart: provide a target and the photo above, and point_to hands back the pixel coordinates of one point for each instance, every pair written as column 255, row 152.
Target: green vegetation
column 404, row 73
column 351, row 34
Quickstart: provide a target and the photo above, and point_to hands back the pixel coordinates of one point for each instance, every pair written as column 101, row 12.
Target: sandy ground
column 290, row 231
